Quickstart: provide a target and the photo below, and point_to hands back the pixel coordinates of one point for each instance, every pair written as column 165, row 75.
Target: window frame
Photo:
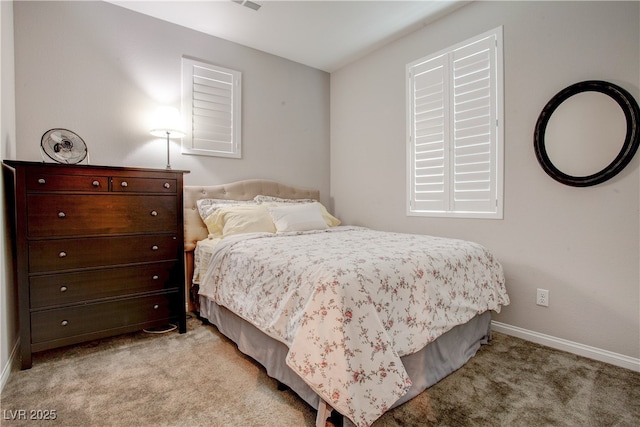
column 495, row 202
column 234, row 142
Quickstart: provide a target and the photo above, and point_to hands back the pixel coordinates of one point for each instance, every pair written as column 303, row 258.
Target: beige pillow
column 208, row 206
column 230, row 220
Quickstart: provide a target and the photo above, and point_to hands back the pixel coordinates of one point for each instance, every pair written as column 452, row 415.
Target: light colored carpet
column 201, row 379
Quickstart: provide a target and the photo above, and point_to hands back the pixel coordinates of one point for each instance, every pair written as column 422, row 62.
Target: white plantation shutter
column 431, row 161
column 455, row 136
column 211, row 103
column 474, row 122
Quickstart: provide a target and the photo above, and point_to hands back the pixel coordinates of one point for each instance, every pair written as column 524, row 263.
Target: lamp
column 167, row 122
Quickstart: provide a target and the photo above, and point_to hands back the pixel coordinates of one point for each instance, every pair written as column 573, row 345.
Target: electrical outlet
column 542, row 297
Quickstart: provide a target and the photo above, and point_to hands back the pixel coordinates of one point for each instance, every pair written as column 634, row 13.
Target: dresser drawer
column 52, row 215
column 54, row 182
column 69, row 288
column 69, row 254
column 143, row 185
column 49, row 325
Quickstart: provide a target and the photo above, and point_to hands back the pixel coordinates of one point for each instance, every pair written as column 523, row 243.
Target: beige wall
column 101, row 70
column 8, row 297
column 579, row 243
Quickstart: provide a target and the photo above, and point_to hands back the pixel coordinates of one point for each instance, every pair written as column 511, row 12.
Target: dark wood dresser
column 98, row 251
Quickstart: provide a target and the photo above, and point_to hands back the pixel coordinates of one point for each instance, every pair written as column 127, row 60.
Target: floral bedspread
column 350, row 301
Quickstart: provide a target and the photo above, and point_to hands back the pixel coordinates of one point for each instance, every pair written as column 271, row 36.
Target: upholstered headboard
column 194, row 228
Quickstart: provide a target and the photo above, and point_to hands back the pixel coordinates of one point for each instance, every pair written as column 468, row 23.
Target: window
column 211, row 105
column 455, row 131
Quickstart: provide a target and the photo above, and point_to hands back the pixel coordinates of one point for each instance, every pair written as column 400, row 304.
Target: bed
column 345, row 334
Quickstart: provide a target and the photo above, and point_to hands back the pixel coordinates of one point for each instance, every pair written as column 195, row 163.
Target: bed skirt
column 426, row 367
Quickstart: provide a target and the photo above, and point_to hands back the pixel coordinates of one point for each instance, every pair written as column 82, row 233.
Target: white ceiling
column 322, row 34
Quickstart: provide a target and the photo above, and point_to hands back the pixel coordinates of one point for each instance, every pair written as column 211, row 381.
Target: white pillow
column 331, row 220
column 298, row 217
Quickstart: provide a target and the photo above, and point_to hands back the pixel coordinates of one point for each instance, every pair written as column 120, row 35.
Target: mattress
column 202, row 257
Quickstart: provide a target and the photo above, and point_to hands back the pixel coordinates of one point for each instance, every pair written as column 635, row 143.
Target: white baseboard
column 6, row 369
column 569, row 346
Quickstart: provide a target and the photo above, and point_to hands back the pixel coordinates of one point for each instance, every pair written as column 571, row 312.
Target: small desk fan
column 63, row 146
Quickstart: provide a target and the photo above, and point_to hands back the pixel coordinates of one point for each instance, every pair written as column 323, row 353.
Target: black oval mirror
column 630, row 137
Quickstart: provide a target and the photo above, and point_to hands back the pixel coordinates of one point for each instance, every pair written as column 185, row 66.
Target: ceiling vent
column 248, row 3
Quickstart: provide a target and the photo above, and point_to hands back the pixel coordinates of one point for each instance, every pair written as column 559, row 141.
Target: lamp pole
column 168, row 162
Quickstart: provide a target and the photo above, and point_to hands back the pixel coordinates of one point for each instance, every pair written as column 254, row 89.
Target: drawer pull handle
column 62, row 254
column 42, row 181
column 154, row 248
column 156, row 277
column 167, row 185
column 155, row 307
column 96, row 183
column 64, row 323
column 154, row 213
column 61, row 214
column 63, row 289
column 124, row 184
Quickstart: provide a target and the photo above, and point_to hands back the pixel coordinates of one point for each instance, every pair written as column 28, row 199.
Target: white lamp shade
column 167, row 120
